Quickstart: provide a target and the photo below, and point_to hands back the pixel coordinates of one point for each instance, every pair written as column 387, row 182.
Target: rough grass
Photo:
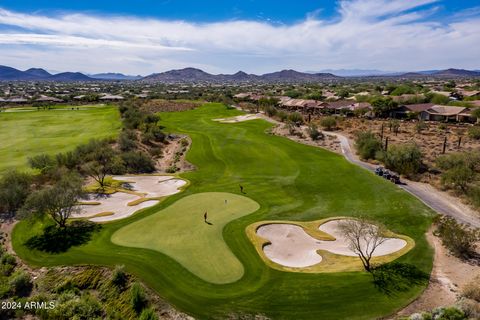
column 290, row 181
column 28, row 133
column 180, row 232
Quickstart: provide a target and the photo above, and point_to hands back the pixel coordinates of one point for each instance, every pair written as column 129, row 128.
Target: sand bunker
column 116, row 206
column 153, row 186
column 236, row 119
column 291, row 246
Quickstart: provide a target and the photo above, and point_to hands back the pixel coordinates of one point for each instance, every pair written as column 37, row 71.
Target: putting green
column 180, row 232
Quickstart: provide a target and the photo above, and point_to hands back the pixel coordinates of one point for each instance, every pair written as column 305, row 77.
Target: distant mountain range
column 192, row 75
column 113, row 76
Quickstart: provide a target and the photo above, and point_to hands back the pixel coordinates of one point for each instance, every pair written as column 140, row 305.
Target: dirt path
column 439, row 201
column 449, row 276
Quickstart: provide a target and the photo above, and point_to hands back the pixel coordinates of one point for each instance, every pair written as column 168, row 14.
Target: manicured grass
column 180, row 232
column 28, row 133
column 291, row 182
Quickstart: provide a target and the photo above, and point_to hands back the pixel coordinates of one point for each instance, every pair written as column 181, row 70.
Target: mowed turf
column 180, row 232
column 289, row 181
column 28, row 133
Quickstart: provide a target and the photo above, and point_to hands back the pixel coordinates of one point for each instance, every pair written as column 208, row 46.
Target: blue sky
column 146, row 36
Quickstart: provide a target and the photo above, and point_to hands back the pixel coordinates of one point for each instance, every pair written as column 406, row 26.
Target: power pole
column 386, row 144
column 444, row 145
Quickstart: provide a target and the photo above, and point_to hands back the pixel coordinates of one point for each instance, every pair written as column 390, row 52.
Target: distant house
column 48, row 99
column 241, row 96
column 446, row 113
column 405, row 110
column 110, row 97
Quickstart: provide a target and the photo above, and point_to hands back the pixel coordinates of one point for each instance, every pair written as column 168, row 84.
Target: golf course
column 26, row 132
column 193, row 247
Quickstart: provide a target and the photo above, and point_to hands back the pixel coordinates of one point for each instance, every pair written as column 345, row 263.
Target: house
column 48, row 99
column 406, row 110
column 110, row 97
column 444, row 113
column 242, row 96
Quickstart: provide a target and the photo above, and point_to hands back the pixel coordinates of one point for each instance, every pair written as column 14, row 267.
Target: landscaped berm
column 195, row 247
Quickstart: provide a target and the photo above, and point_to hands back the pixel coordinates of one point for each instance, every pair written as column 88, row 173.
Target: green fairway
column 30, row 132
column 290, row 182
column 180, row 232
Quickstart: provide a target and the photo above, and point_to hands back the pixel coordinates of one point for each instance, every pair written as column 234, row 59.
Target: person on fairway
column 241, row 188
column 205, row 216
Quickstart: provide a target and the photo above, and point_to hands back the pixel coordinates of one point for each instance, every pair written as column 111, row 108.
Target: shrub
column 459, row 239
column 295, row 117
column 42, row 162
column 138, row 162
column 270, row 111
column 148, row 314
column 282, row 116
column 472, row 289
column 405, row 159
column 459, row 169
column 20, row 284
column 474, row 132
column 71, row 307
column 420, row 126
column 328, row 123
column 474, row 196
column 367, row 145
column 8, row 259
column 119, row 277
column 137, row 297
column 314, row 133
column 127, row 140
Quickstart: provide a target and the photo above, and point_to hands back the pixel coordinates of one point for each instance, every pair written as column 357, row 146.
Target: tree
column 476, row 114
column 383, row 106
column 14, row 189
column 296, row 118
column 459, row 239
column 368, row 145
column 459, row 169
column 363, row 238
column 394, row 126
column 42, row 162
column 58, row 201
column 100, row 165
column 405, row 159
column 328, row 123
column 314, row 133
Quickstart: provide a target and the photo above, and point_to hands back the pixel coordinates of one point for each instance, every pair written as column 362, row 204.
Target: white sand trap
column 340, row 245
column 236, row 119
column 116, row 203
column 291, row 246
column 154, row 186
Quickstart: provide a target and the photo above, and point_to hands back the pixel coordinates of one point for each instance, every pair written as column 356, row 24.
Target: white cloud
column 380, row 34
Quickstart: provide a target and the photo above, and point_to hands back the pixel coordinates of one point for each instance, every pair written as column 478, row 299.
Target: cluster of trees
column 460, row 171
column 404, row 159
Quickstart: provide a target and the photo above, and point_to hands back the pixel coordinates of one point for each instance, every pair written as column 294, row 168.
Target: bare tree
column 363, row 238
